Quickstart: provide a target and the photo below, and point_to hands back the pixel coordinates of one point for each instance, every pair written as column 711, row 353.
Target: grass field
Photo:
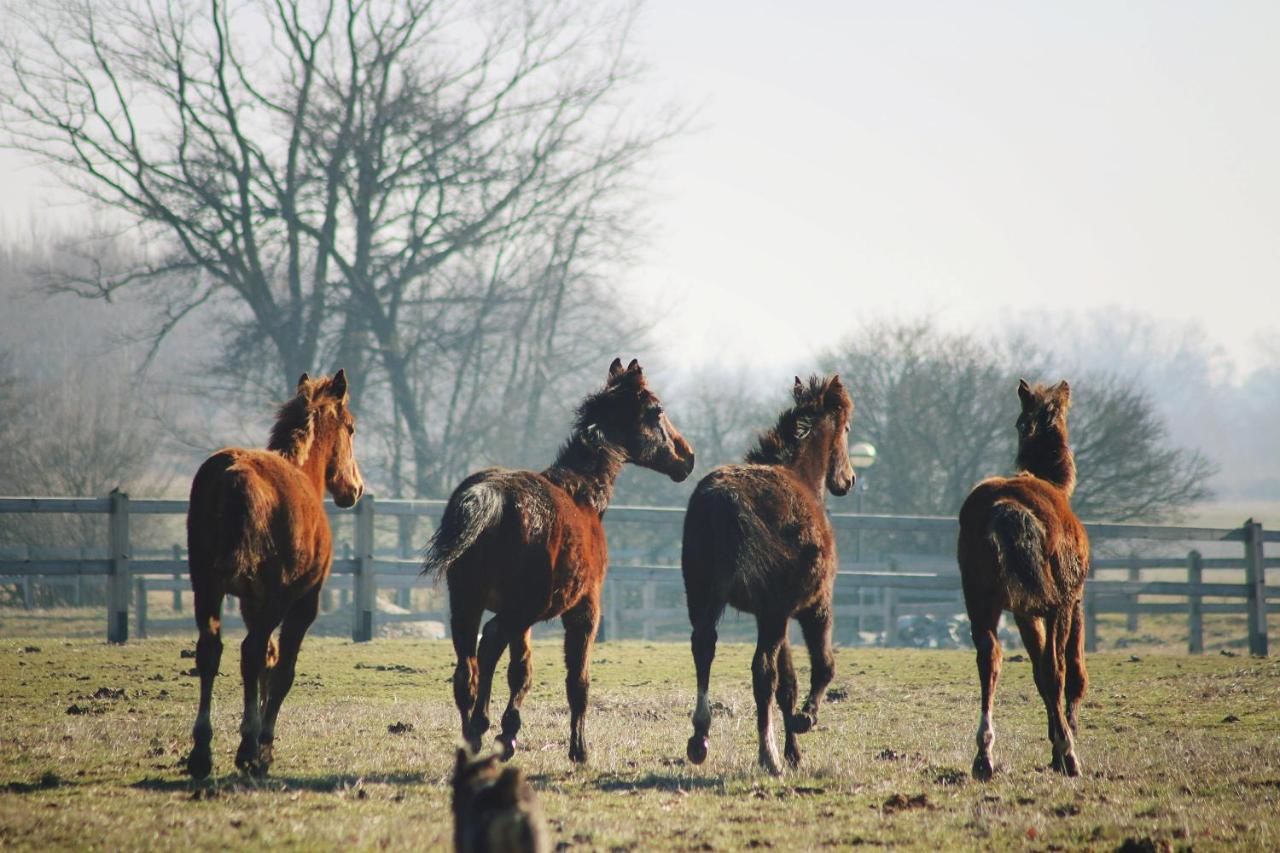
column 1177, row 750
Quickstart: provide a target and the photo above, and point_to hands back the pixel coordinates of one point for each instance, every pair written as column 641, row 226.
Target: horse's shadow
column 240, row 783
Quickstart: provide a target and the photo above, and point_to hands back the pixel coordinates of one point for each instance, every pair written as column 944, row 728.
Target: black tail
column 471, row 511
column 1019, row 540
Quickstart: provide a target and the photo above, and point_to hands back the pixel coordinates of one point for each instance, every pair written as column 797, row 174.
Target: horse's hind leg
column 208, row 610
column 519, row 676
column 786, row 696
column 253, row 659
column 580, row 624
column 464, row 623
column 1077, row 677
column 296, row 622
column 815, row 623
column 704, row 653
column 771, row 631
column 983, row 623
column 1052, row 689
column 492, row 641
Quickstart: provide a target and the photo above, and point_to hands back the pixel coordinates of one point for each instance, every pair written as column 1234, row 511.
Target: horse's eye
column 351, row 429
column 654, row 414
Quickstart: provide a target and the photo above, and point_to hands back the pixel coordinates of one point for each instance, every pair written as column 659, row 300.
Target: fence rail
column 363, row 568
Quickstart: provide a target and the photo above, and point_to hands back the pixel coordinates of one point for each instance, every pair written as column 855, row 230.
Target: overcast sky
column 963, row 159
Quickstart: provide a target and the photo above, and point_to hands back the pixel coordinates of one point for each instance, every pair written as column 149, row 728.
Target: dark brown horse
column 757, row 536
column 1022, row 549
column 257, row 529
column 530, row 547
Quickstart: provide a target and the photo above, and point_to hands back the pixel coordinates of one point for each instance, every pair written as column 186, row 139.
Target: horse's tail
column 471, row 510
column 1019, row 541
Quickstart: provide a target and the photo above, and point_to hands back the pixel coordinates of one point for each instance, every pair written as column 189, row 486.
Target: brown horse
column 257, row 529
column 757, row 536
column 530, row 547
column 1022, row 549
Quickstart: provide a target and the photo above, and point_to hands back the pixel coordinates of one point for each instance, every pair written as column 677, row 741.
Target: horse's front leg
column 492, row 641
column 519, row 677
column 771, row 630
column 253, row 659
column 815, row 624
column 296, row 622
column 580, row 624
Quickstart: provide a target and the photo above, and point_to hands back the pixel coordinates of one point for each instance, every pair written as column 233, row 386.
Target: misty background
column 474, row 207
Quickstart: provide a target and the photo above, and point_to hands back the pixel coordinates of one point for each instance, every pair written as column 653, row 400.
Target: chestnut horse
column 757, row 536
column 257, row 529
column 530, row 547
column 1021, row 548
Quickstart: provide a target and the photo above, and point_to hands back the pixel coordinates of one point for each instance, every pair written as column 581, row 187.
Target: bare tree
column 940, row 407
column 422, row 190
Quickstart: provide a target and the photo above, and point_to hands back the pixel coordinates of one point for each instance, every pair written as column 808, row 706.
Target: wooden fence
column 877, row 591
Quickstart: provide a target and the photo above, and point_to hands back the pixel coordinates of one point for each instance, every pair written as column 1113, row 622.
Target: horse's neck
column 1049, row 459
column 313, row 464
column 810, row 466
column 587, row 468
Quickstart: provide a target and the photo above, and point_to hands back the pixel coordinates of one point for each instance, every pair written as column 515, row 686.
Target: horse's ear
column 302, row 382
column 615, row 370
column 835, row 391
column 460, row 763
column 1025, row 394
column 1064, row 395
column 634, row 367
column 797, row 391
column 338, row 385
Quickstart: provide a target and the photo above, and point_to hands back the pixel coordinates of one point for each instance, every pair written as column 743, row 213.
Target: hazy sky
column 965, row 159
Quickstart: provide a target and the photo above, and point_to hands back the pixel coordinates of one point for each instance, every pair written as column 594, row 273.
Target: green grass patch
column 1175, row 749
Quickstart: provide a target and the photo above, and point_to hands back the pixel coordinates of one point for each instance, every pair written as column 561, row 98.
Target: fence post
column 118, row 580
column 365, row 584
column 889, row 611
column 1256, row 579
column 140, row 607
column 177, row 577
column 648, row 601
column 1131, row 615
column 1090, row 613
column 1195, row 605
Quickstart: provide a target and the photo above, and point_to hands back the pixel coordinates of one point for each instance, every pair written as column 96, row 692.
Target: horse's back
column 528, row 547
column 253, row 511
column 751, row 532
column 1052, row 535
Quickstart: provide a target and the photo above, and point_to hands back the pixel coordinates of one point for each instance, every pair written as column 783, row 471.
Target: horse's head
column 334, row 429
column 1044, row 412
column 630, row 416
column 829, row 410
column 813, row 434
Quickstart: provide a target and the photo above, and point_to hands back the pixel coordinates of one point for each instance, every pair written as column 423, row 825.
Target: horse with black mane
column 257, row 529
column 1022, row 548
column 530, row 547
column 757, row 536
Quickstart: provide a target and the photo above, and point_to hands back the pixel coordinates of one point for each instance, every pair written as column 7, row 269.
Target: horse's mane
column 779, row 444
column 294, row 432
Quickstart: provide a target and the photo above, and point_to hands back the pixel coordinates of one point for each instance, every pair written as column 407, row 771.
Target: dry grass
column 1176, row 749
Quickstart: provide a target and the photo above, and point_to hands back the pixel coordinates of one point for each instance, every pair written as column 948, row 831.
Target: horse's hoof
column 803, row 723
column 199, row 764
column 247, row 758
column 792, row 755
column 697, row 749
column 266, row 754
column 578, row 754
column 769, row 762
column 982, row 770
column 1068, row 764
column 508, row 745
